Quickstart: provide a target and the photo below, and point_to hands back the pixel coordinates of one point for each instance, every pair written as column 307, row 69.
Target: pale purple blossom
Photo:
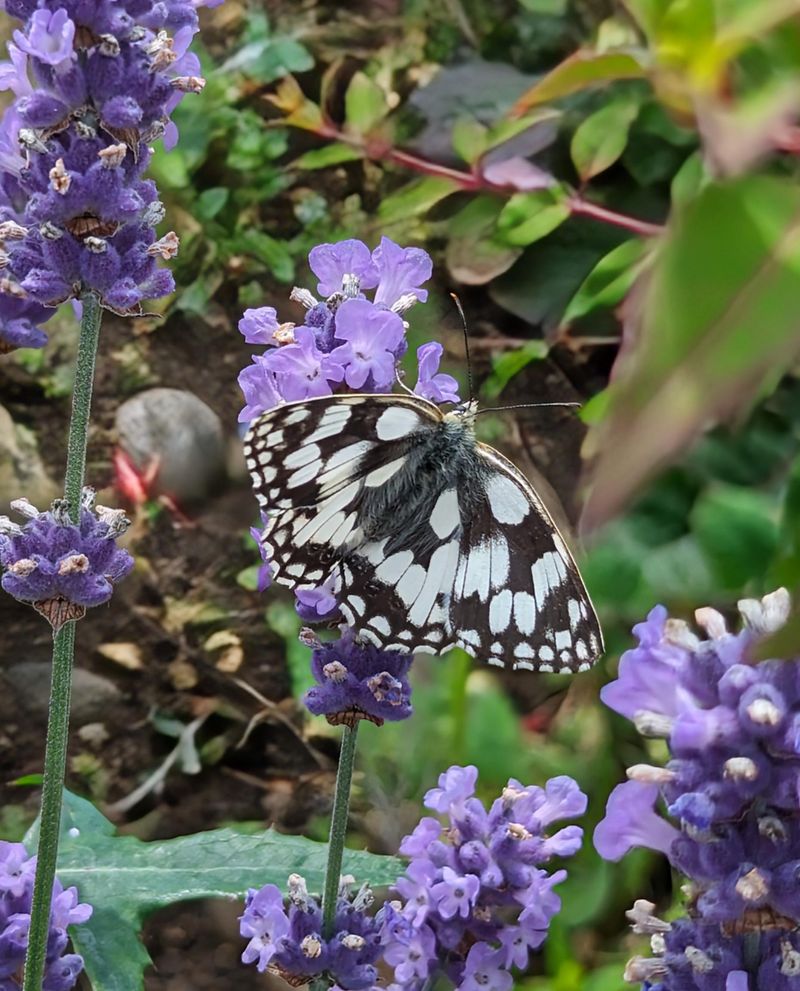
column 372, row 338
column 48, row 37
column 332, row 262
column 438, row 387
column 302, row 369
column 257, row 326
column 401, row 271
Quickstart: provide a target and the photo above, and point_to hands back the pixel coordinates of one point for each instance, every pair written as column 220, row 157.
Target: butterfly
column 431, row 539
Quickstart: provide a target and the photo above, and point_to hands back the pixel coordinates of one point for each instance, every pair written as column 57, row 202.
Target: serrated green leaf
column 609, row 281
column 364, row 104
column 333, row 154
column 528, row 217
column 600, row 139
column 415, row 198
column 125, row 879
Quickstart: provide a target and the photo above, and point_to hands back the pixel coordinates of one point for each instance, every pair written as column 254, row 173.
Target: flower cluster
column 475, row 898
column 16, row 890
column 347, row 340
column 731, row 786
column 357, row 681
column 58, row 566
column 291, row 943
column 94, row 86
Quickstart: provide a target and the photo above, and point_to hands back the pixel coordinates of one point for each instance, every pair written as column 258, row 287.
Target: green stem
column 55, row 755
column 338, row 834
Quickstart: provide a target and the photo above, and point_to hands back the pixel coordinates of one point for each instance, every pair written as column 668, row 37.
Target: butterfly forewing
column 432, row 541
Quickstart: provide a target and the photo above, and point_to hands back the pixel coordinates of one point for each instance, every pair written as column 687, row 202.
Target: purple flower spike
column 289, row 941
column 16, row 891
column 730, row 723
column 332, row 262
column 59, row 567
column 401, row 270
column 358, row 681
column 372, row 339
column 432, row 384
column 475, row 900
column 95, row 84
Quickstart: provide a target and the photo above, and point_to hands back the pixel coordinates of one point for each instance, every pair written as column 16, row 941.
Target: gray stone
column 22, row 471
column 91, row 694
column 181, row 433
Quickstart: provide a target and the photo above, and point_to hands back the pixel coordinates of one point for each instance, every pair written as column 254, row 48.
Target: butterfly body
column 432, row 540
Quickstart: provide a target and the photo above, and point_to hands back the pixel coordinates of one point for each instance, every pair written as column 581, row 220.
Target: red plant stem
column 474, row 182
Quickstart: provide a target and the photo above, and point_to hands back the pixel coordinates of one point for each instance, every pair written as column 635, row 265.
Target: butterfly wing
column 313, row 461
column 518, row 597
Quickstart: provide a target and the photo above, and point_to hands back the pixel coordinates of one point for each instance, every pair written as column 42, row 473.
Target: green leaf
column 600, row 139
column 716, row 326
column 474, row 256
column 689, row 180
column 364, row 104
column 415, row 198
column 283, row 620
column 581, row 71
column 528, row 217
column 609, row 281
column 332, row 154
column 211, row 201
column 509, row 364
column 737, row 534
column 469, row 139
column 271, row 252
column 125, row 879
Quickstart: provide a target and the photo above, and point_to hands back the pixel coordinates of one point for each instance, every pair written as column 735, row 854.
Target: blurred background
column 611, row 189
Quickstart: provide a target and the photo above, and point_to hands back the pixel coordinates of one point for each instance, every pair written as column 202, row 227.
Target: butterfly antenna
column 460, row 309
column 401, row 383
column 502, row 409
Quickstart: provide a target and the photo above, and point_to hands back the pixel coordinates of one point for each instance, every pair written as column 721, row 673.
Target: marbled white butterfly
column 432, row 540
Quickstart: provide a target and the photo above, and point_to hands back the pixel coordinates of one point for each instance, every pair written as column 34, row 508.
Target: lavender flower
column 731, row 723
column 95, row 84
column 347, row 340
column 16, row 890
column 290, row 942
column 357, row 681
column 59, row 567
column 475, row 900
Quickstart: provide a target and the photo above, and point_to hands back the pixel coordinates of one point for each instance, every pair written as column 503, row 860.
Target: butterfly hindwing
column 432, row 541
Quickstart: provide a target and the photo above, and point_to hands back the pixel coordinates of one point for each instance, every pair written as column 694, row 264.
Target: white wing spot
column 302, row 456
column 500, row 611
column 546, row 653
column 297, row 416
column 304, row 474
column 574, row 608
column 409, row 586
column 501, row 563
column 275, row 438
column 381, row 624
column 396, row 422
column 380, row 475
column 508, row 502
column 392, row 569
column 476, row 578
column 445, row 516
column 548, row 573
column 580, row 650
column 524, row 649
column 524, row 612
column 357, row 603
column 563, row 640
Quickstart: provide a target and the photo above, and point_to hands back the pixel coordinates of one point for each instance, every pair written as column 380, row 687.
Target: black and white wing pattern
column 432, row 540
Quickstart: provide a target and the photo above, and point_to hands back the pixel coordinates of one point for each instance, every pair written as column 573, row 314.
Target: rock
column 22, row 471
column 91, row 694
column 182, row 433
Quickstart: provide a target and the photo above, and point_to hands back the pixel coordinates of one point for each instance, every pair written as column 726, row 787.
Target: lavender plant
column 474, row 899
column 731, row 723
column 93, row 86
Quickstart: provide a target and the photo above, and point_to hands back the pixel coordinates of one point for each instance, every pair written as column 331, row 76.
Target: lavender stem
column 338, row 833
column 55, row 756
